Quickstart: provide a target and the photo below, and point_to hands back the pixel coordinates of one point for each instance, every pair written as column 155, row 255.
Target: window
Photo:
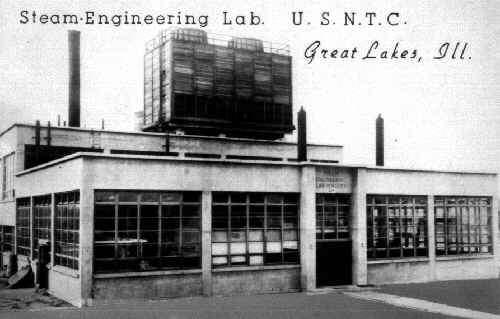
column 66, row 229
column 463, row 225
column 254, row 229
column 396, row 226
column 332, row 216
column 140, row 231
column 8, row 170
column 23, row 226
column 6, row 238
column 41, row 221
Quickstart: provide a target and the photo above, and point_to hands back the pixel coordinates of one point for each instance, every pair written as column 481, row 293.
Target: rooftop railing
column 200, row 36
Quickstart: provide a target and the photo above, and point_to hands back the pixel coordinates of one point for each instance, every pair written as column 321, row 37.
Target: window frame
column 339, row 202
column 7, row 176
column 67, row 229
column 161, row 259
column 417, row 229
column 41, row 219
column 23, row 240
column 469, row 248
column 266, row 230
column 7, row 235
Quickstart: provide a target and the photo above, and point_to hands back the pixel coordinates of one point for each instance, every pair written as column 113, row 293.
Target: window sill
column 65, row 271
column 465, row 257
column 254, row 268
column 398, row 260
column 148, row 273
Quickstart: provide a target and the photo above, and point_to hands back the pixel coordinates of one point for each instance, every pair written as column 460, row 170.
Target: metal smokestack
column 301, row 136
column 379, row 141
column 74, row 78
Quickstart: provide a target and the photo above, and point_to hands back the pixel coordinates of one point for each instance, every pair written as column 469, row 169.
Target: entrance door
column 333, row 242
column 333, row 263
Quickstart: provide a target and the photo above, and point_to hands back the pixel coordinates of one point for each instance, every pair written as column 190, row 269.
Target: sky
column 439, row 114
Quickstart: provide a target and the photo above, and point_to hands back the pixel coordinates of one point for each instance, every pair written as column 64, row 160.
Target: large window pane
column 41, row 221
column 66, row 231
column 23, row 225
column 396, row 226
column 254, row 229
column 139, row 231
column 463, row 225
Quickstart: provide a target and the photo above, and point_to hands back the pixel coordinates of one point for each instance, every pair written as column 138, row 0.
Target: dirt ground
column 28, row 298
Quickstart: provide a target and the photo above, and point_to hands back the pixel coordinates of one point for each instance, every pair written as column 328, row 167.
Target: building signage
column 333, row 180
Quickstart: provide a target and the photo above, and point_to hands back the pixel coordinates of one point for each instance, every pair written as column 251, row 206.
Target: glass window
column 23, row 225
column 67, row 229
column 8, row 171
column 332, row 216
column 254, row 229
column 6, row 238
column 41, row 221
column 140, row 231
column 463, row 225
column 396, row 226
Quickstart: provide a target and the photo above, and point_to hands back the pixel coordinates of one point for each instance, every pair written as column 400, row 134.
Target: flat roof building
column 222, row 216
column 106, row 215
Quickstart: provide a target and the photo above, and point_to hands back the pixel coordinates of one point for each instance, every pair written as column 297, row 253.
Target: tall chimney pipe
column 301, row 136
column 74, row 78
column 379, row 141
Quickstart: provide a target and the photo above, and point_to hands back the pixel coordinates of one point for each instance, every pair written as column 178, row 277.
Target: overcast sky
column 439, row 114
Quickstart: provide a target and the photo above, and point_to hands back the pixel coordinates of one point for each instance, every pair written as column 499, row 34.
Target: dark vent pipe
column 49, row 133
column 379, row 141
column 301, row 136
column 37, row 133
column 74, row 78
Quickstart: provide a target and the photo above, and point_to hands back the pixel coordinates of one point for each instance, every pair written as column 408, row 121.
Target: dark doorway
column 333, row 263
column 333, row 240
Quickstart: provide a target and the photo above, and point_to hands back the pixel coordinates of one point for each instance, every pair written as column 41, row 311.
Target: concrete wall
column 65, row 286
column 424, row 270
column 7, row 213
column 140, row 141
column 236, row 281
column 399, row 272
column 466, row 268
column 146, row 287
column 388, row 181
column 64, row 176
column 154, row 174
